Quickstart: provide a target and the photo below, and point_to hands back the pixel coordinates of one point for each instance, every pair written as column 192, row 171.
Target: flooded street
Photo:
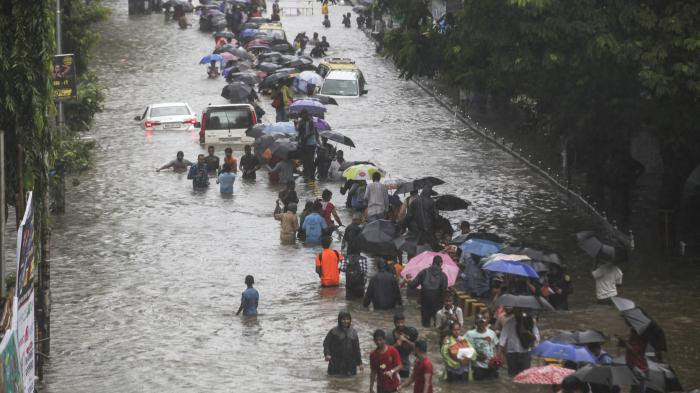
column 147, row 273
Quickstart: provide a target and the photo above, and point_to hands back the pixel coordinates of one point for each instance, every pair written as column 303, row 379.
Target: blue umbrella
column 209, row 58
column 574, row 353
column 480, row 247
column 284, row 127
column 249, row 32
column 314, row 108
column 511, row 267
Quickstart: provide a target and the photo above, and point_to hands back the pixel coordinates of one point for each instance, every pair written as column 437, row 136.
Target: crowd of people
column 470, row 347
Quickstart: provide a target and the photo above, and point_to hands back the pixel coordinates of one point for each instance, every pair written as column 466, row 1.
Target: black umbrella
column 636, row 318
column 238, row 52
column 271, row 80
column 581, row 337
column 256, row 131
column 589, row 242
column 250, row 25
column 236, row 92
column 622, row 304
column 268, row 67
column 248, row 77
column 608, row 375
column 378, row 236
column 348, row 164
column 406, row 244
column 273, row 57
column 337, row 137
column 460, row 239
column 241, row 66
column 325, row 100
column 417, row 184
column 298, row 62
column 524, row 301
column 450, row 203
column 283, row 47
column 284, row 149
column 224, row 34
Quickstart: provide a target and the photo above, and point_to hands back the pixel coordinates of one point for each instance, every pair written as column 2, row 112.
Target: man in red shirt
column 385, row 363
column 422, row 373
column 327, row 264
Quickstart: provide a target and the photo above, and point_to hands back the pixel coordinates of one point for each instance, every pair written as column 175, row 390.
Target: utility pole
column 2, row 213
column 60, row 198
column 59, row 49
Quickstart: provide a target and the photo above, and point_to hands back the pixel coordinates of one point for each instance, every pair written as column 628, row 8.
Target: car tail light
column 253, row 118
column 190, row 121
column 150, row 124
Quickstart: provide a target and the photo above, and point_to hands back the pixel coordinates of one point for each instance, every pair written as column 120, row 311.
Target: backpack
column 358, row 198
column 353, row 272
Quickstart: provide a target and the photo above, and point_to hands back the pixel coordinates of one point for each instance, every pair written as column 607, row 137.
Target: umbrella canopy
column 268, row 67
column 250, row 26
column 247, row 77
column 210, row 57
column 361, row 172
column 580, row 337
column 524, row 301
column 314, row 108
column 622, row 304
column 418, row 184
column 377, row 237
column 298, row 62
column 545, row 375
column 662, row 377
column 248, row 32
column 486, row 236
column 450, row 203
column 459, row 239
column 637, row 319
column 480, row 247
column 284, row 127
column 228, row 56
column 406, row 244
column 283, row 149
column 534, row 254
column 608, row 375
column 594, row 247
column 238, row 52
column 310, row 77
column 322, row 125
column 325, row 100
column 256, row 130
column 425, row 259
column 271, row 80
column 511, row 267
column 236, row 91
column 574, row 353
column 273, row 57
column 338, row 137
column 348, row 164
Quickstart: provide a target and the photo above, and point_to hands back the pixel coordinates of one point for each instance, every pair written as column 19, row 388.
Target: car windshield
column 337, row 87
column 275, row 34
column 224, row 119
column 177, row 110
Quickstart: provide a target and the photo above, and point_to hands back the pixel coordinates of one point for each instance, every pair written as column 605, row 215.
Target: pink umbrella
column 545, row 375
column 425, row 259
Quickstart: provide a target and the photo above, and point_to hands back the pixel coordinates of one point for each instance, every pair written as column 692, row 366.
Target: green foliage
column 80, row 113
column 592, row 72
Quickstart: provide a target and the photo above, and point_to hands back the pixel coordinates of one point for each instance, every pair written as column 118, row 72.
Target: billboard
column 23, row 312
column 64, row 80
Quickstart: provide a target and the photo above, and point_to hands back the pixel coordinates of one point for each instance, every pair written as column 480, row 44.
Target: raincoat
column 433, row 283
column 343, row 346
column 420, row 217
column 475, row 280
column 383, row 289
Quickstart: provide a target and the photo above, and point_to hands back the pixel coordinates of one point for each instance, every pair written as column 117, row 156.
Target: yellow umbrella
column 361, row 172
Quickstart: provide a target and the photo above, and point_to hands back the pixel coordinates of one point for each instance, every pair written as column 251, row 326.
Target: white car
column 343, row 84
column 168, row 116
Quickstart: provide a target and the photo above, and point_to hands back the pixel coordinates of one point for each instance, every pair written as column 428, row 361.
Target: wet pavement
column 147, row 273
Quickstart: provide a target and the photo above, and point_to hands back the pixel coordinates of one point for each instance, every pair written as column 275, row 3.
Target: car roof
column 342, row 75
column 271, row 26
column 224, row 106
column 339, row 63
column 165, row 104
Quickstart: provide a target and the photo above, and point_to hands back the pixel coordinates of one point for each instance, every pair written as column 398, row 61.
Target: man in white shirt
column 377, row 198
column 607, row 278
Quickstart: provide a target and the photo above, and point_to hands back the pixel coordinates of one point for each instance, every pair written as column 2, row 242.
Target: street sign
column 65, row 83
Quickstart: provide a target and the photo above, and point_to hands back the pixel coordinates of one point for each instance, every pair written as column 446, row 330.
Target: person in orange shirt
column 327, row 264
column 231, row 160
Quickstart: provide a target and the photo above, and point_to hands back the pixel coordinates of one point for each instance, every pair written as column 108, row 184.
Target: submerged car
column 167, row 116
column 227, row 124
column 342, row 84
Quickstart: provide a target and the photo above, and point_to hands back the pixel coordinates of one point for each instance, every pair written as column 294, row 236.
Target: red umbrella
column 545, row 375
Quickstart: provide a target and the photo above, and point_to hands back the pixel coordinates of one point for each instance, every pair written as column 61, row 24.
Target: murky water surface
column 147, row 273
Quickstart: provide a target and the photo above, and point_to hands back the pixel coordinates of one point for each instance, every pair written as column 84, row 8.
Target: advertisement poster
column 10, row 373
column 64, row 78
column 24, row 297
